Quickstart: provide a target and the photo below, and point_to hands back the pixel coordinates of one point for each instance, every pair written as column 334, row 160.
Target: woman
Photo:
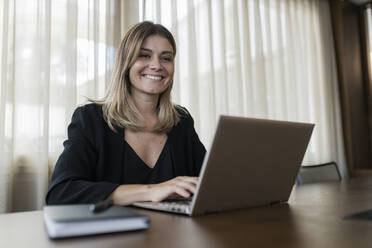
column 134, row 144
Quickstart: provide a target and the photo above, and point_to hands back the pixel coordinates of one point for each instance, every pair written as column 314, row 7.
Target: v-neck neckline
column 143, row 162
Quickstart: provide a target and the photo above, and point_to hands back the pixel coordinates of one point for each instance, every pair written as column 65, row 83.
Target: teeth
column 152, row 77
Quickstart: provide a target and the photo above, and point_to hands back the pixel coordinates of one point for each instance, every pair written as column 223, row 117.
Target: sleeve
column 73, row 180
column 198, row 149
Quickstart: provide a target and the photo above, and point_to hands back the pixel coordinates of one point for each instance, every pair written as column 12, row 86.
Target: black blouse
column 95, row 159
column 138, row 172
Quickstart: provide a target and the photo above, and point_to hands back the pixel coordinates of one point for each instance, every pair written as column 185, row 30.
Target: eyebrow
column 149, row 50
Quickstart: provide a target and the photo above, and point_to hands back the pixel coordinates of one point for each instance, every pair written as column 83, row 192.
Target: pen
column 101, row 206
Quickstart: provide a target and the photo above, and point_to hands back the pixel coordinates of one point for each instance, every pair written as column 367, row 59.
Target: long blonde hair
column 117, row 105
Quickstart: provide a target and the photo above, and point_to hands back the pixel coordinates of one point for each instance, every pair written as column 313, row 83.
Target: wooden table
column 314, row 217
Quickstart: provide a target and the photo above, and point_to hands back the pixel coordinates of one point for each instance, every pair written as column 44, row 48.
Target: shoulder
column 182, row 112
column 89, row 109
column 87, row 114
column 184, row 115
column 87, row 123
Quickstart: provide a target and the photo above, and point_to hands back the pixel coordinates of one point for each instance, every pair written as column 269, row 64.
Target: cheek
column 133, row 72
column 170, row 70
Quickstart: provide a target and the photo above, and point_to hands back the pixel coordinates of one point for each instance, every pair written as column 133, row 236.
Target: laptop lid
column 251, row 162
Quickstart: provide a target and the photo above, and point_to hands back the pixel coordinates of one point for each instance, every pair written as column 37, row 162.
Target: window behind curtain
column 257, row 58
column 52, row 55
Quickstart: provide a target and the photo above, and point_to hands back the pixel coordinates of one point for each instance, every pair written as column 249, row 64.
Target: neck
column 146, row 105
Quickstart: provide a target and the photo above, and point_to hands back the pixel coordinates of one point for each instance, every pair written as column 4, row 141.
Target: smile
column 153, row 77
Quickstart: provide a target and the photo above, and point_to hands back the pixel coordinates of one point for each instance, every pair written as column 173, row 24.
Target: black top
column 138, row 172
column 96, row 160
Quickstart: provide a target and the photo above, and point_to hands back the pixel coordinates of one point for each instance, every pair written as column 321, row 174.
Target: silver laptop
column 252, row 162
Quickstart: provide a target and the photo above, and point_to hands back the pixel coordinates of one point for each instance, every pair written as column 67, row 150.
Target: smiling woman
column 142, row 46
column 134, row 144
column 153, row 71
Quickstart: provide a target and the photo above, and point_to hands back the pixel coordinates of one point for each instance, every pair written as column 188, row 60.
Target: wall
column 352, row 84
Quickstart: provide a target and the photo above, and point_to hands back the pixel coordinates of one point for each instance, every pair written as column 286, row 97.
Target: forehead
column 157, row 42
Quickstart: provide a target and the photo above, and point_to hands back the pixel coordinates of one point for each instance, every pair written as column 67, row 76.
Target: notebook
column 251, row 162
column 78, row 220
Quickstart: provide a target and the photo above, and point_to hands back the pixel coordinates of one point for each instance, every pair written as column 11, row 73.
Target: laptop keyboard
column 177, row 206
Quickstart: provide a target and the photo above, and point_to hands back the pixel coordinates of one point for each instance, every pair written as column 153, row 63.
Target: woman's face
column 153, row 70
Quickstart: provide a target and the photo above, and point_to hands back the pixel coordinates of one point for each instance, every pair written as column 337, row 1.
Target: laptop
column 251, row 162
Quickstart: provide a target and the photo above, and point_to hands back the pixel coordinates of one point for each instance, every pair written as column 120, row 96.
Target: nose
column 155, row 63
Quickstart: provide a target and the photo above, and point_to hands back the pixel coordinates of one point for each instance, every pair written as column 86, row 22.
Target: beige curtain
column 53, row 54
column 258, row 58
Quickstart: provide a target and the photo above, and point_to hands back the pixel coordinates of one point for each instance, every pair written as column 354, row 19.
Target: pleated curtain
column 257, row 58
column 53, row 54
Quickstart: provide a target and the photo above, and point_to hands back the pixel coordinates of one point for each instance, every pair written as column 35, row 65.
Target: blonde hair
column 118, row 105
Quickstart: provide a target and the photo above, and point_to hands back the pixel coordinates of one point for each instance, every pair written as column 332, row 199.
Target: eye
column 167, row 59
column 143, row 55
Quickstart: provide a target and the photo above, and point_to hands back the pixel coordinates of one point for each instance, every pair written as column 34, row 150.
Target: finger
column 193, row 180
column 174, row 196
column 187, row 186
column 181, row 191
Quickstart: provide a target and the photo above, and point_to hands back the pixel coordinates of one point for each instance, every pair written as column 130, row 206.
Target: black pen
column 101, row 206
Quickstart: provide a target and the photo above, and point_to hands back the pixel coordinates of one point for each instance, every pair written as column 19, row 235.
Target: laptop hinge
column 275, row 202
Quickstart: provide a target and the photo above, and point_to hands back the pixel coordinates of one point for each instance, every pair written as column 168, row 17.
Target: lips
column 153, row 77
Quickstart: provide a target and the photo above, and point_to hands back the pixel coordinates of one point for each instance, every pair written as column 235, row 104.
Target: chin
column 155, row 90
column 151, row 89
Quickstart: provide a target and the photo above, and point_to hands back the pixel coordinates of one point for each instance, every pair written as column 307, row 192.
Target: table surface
column 314, row 217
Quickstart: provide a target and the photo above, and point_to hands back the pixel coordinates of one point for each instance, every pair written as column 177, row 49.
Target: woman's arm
column 127, row 194
column 74, row 178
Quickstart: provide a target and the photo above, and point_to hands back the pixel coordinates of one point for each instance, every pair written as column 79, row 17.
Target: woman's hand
column 182, row 186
